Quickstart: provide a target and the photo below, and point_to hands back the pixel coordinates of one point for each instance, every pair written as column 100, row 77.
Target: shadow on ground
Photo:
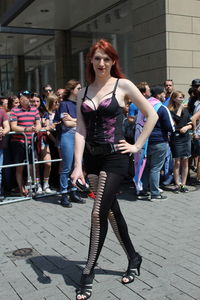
column 70, row 270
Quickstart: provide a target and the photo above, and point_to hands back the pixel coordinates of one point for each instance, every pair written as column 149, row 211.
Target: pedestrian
column 66, row 114
column 23, row 119
column 157, row 148
column 99, row 128
column 180, row 140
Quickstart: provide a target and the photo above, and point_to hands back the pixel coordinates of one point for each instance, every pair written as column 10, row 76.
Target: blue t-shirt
column 66, row 106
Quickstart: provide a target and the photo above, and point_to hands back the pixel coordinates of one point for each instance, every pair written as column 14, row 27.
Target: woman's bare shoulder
column 124, row 82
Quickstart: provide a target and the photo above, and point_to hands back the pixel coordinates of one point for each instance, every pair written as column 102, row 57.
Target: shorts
column 115, row 162
column 19, row 152
column 197, row 147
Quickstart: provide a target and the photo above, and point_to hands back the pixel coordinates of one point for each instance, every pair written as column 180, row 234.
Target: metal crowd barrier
column 25, row 163
column 37, row 162
column 31, row 182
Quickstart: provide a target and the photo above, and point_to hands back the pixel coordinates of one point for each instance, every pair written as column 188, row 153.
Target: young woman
column 67, row 115
column 180, row 140
column 99, row 127
column 13, row 101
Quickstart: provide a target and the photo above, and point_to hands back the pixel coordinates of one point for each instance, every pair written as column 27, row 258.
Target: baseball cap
column 195, row 82
column 24, row 93
column 156, row 90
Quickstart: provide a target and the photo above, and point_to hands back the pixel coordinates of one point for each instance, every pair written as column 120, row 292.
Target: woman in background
column 67, row 115
column 180, row 141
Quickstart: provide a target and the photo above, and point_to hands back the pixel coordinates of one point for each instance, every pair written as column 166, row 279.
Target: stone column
column 19, row 73
column 63, row 59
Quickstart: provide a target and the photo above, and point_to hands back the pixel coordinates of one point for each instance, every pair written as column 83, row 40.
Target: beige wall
column 165, row 42
column 183, row 41
column 147, row 42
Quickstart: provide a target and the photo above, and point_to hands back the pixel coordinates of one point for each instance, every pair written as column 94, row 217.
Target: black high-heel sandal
column 133, row 269
column 85, row 289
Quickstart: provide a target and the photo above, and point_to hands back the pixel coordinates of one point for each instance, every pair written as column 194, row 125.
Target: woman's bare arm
column 146, row 108
column 79, row 143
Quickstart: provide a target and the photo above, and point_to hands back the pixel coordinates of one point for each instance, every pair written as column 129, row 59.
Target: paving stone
column 166, row 234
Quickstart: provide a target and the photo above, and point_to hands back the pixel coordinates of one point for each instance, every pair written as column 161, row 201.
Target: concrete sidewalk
column 167, row 235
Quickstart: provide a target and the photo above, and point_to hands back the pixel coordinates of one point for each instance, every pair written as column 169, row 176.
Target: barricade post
column 8, row 200
column 31, row 182
column 37, row 162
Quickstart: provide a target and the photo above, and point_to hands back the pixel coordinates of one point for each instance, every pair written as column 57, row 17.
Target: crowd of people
column 97, row 132
column 173, row 146
column 44, row 124
column 171, row 151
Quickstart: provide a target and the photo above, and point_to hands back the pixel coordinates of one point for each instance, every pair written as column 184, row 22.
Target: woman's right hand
column 77, row 174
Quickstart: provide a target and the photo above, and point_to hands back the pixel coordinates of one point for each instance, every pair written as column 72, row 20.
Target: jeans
column 156, row 154
column 167, row 168
column 1, row 163
column 67, row 154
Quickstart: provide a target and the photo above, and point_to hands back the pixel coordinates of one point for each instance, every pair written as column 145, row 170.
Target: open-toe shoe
column 133, row 269
column 85, row 290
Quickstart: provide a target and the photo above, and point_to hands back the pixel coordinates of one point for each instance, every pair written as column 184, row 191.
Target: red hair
column 111, row 52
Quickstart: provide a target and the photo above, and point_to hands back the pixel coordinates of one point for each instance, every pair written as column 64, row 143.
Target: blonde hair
column 172, row 103
column 50, row 101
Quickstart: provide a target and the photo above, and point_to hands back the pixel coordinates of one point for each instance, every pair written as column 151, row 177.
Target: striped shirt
column 25, row 118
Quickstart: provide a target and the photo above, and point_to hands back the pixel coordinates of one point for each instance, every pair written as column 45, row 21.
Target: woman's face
column 55, row 104
column 35, row 101
column 15, row 102
column 179, row 99
column 76, row 90
column 102, row 63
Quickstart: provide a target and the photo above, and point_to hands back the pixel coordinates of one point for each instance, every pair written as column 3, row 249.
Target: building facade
column 45, row 41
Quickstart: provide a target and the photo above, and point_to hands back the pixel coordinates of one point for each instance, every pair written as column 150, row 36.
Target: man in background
column 169, row 88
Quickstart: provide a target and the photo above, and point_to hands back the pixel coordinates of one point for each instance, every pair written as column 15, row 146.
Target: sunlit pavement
column 166, row 234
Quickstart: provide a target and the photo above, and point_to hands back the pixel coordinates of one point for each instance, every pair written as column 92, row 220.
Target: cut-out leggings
column 106, row 207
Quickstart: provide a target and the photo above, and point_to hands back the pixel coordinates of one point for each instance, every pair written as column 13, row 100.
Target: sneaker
column 160, row 190
column 183, row 189
column 47, row 190
column 143, row 195
column 65, row 201
column 158, row 197
column 74, row 196
column 176, row 189
column 39, row 190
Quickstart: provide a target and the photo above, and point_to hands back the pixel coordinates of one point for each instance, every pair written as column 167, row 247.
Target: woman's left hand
column 125, row 147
